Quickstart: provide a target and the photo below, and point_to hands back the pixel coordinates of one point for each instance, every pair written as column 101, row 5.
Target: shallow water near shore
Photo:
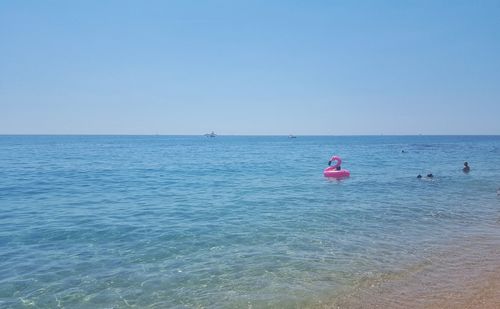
column 237, row 221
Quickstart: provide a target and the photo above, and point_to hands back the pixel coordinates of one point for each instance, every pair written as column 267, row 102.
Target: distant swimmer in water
column 428, row 176
column 466, row 168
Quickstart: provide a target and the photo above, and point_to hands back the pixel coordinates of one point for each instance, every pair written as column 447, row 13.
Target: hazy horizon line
column 219, row 135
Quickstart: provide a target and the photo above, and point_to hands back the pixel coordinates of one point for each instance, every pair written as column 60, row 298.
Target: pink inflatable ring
column 332, row 171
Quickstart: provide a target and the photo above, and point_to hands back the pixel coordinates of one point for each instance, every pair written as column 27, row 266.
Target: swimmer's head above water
column 466, row 167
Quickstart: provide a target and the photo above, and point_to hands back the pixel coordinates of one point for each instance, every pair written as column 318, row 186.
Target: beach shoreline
column 464, row 276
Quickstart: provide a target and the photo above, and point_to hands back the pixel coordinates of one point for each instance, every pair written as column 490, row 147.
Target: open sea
column 238, row 221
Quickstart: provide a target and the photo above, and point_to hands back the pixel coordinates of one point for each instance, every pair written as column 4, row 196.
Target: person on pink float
column 336, row 170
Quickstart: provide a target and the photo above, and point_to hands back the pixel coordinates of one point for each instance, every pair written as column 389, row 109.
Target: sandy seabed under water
column 465, row 275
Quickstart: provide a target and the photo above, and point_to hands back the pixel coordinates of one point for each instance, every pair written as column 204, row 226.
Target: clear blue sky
column 249, row 67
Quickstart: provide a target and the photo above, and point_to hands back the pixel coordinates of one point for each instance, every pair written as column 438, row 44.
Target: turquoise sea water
column 232, row 222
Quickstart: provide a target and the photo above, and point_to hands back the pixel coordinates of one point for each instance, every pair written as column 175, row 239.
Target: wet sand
column 465, row 275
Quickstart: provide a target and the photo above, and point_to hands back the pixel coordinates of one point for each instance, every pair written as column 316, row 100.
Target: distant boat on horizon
column 292, row 136
column 212, row 134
